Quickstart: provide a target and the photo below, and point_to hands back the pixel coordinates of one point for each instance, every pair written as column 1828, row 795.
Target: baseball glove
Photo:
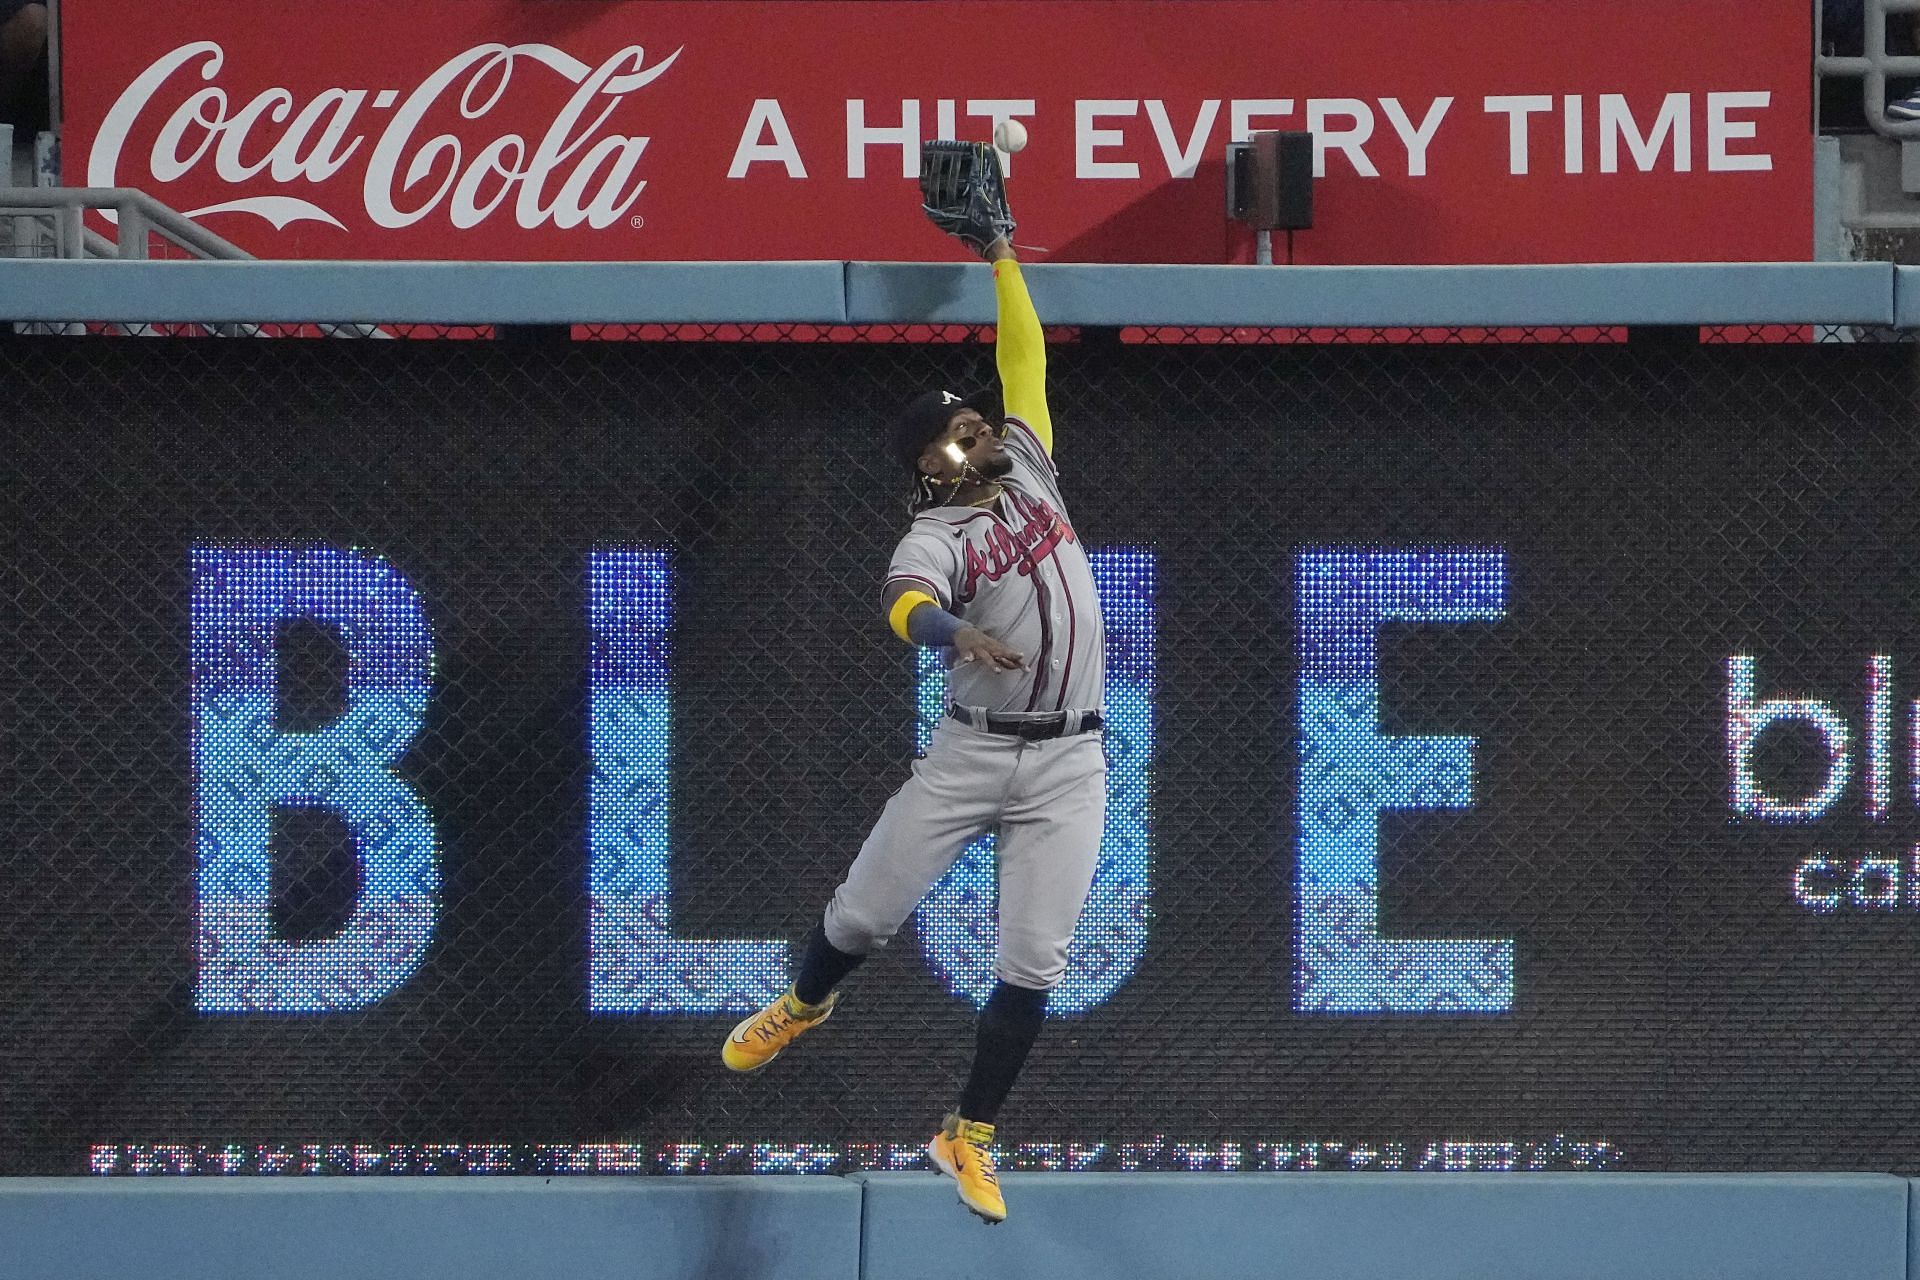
column 962, row 191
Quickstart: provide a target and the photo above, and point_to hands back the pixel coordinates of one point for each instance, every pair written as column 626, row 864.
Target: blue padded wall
column 1394, row 1226
column 1140, row 1226
column 523, row 1228
column 949, row 293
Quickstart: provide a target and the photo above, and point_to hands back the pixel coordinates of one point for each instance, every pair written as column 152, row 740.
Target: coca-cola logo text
column 567, row 177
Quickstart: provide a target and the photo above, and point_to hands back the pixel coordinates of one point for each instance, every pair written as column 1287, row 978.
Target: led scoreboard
column 423, row 751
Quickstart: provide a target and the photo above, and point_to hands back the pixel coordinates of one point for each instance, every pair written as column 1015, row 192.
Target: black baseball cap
column 926, row 416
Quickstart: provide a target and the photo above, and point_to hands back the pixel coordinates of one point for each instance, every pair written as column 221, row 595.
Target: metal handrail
column 137, row 214
column 1873, row 65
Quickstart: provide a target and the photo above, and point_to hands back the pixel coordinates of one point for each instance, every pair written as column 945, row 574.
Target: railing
column 1873, row 65
column 49, row 222
column 1875, row 193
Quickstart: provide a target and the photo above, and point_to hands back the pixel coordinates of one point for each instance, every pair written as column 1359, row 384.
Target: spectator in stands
column 1903, row 40
column 1843, row 33
column 23, row 66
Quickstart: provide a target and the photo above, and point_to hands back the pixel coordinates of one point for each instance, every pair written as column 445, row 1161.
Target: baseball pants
column 1048, row 801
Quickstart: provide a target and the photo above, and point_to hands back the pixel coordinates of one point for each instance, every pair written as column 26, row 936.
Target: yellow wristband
column 905, row 605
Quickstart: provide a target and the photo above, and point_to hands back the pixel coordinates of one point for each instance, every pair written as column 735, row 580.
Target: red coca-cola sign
column 1446, row 130
column 570, row 172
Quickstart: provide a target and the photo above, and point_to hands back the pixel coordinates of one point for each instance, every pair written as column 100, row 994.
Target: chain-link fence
column 1695, row 985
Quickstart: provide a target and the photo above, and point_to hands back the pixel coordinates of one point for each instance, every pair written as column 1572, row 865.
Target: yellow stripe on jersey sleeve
column 905, row 605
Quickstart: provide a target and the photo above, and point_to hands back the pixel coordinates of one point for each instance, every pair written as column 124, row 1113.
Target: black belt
column 1052, row 724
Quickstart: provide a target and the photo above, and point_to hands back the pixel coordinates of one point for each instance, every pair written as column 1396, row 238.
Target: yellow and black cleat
column 963, row 1150
column 761, row 1038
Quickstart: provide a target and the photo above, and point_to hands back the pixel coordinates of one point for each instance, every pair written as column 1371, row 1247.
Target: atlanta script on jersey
column 1021, row 575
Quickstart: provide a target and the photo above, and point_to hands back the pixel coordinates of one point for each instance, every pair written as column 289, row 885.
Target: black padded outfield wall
column 421, row 753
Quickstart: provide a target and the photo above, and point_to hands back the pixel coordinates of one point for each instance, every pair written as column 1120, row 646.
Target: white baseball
column 1010, row 136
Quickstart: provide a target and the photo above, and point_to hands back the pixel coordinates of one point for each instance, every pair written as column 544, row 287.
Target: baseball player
column 992, row 572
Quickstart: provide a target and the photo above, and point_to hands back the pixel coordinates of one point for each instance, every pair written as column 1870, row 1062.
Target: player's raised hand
column 973, row 644
column 962, row 191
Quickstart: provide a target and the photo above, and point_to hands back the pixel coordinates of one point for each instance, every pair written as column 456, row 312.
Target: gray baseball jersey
column 1023, row 579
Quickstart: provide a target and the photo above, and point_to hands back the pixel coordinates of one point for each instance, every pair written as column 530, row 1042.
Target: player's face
column 976, row 440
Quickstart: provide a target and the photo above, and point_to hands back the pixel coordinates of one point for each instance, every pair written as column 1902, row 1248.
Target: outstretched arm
column 917, row 618
column 1020, row 349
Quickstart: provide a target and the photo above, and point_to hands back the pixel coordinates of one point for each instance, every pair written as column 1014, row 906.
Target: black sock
column 822, row 965
column 1009, row 1024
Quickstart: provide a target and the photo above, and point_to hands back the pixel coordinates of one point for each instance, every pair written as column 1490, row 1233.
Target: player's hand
column 975, row 645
